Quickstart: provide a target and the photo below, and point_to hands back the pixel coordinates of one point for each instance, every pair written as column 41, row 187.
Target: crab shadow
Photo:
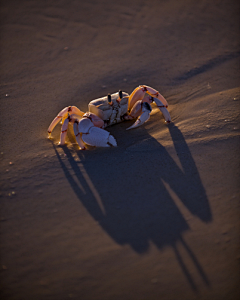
column 126, row 191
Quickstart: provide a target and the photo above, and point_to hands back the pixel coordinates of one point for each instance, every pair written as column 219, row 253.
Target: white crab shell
column 110, row 113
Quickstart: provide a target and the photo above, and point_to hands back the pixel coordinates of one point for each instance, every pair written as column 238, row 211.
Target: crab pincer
column 92, row 135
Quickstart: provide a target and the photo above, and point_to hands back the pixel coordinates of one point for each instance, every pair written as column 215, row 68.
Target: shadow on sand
column 145, row 211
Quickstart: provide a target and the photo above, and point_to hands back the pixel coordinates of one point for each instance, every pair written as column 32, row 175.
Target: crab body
column 110, row 111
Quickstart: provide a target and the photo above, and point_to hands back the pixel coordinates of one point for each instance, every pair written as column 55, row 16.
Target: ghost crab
column 111, row 109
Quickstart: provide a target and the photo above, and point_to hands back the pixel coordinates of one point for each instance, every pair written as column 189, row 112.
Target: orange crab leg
column 139, row 92
column 64, row 131
column 154, row 93
column 136, row 95
column 78, row 136
column 63, row 114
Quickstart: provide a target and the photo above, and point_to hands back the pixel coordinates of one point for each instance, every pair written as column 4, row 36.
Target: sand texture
column 156, row 217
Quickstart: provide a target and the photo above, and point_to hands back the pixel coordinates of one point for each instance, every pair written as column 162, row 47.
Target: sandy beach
column 156, row 217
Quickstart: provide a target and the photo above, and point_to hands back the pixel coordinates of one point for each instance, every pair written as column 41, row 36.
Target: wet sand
column 158, row 216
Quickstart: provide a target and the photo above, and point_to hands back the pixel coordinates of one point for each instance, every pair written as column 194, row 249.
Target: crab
column 90, row 127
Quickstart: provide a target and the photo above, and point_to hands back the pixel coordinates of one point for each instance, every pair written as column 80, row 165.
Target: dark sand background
column 158, row 216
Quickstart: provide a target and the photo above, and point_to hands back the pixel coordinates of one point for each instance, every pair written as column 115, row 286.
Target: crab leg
column 62, row 115
column 64, row 131
column 78, row 136
column 136, row 95
column 154, row 93
column 146, row 110
column 163, row 109
column 139, row 92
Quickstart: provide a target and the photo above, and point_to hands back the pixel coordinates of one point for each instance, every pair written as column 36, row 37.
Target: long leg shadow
column 87, row 196
column 188, row 185
column 144, row 211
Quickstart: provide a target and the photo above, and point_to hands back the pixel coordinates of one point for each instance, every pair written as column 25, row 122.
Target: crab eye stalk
column 110, row 99
column 119, row 96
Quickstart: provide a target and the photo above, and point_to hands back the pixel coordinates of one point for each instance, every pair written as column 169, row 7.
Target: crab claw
column 99, row 137
column 163, row 109
column 146, row 110
column 95, row 136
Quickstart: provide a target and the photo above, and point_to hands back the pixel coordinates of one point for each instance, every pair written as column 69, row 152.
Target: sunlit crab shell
column 110, row 108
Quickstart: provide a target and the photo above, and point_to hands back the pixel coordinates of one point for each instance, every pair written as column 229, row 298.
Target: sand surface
column 158, row 216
